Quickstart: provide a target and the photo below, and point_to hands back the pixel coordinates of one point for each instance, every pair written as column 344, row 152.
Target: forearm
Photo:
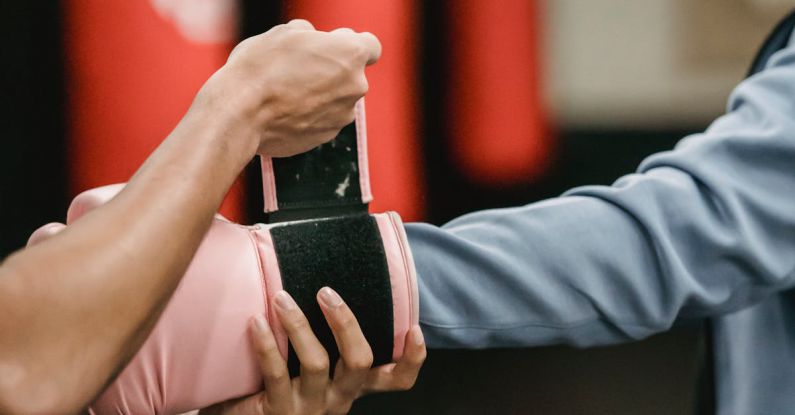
column 699, row 231
column 81, row 303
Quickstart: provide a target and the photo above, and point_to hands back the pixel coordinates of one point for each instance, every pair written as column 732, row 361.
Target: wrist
column 237, row 103
column 219, row 116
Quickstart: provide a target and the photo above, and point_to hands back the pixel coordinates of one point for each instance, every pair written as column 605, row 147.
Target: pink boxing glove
column 199, row 353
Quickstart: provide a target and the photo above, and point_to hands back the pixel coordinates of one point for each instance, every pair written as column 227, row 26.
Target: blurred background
column 475, row 104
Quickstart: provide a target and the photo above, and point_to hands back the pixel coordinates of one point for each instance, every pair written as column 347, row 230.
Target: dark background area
column 32, row 125
column 656, row 376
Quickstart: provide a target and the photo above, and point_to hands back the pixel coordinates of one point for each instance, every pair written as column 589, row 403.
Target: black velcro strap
column 346, row 254
column 322, row 182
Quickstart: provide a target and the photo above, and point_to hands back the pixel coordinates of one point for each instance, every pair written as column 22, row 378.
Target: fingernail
column 419, row 339
column 330, row 298
column 284, row 301
column 259, row 323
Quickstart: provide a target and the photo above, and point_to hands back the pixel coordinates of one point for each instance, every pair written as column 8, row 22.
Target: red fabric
column 495, row 111
column 392, row 101
column 132, row 75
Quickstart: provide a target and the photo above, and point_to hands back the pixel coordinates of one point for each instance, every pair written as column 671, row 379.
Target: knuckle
column 420, row 359
column 300, row 23
column 362, row 86
column 316, row 365
column 361, row 50
column 276, row 376
column 372, row 42
column 362, row 362
column 368, row 35
column 266, row 347
column 347, row 321
column 248, row 41
column 404, row 384
column 240, row 47
column 346, row 30
column 303, row 125
column 278, row 28
column 296, row 323
column 350, row 46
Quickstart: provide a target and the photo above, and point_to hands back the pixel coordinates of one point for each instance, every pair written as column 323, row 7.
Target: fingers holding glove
column 313, row 392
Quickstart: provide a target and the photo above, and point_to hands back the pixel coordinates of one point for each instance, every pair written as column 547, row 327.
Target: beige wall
column 650, row 63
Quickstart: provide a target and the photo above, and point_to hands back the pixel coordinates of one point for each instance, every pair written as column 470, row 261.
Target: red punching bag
column 495, row 105
column 134, row 67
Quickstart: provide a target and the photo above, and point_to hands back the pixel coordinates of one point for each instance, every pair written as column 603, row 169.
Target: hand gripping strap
column 330, row 180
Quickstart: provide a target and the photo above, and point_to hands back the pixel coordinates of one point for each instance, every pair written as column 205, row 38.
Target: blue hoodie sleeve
column 705, row 229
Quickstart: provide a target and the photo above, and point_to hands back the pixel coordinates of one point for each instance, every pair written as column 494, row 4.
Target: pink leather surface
column 361, row 149
column 410, row 269
column 404, row 296
column 199, row 351
column 269, row 184
column 273, row 282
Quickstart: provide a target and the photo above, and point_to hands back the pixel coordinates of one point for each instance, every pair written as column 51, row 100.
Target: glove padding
column 199, row 354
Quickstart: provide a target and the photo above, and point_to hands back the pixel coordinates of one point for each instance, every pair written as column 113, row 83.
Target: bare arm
column 77, row 306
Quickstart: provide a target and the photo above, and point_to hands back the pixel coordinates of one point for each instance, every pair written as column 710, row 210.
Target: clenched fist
column 293, row 87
